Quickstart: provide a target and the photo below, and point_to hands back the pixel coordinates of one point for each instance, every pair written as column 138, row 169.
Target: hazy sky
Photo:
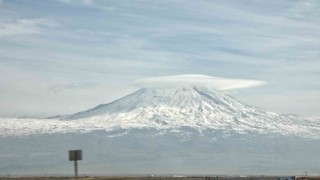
column 64, row 56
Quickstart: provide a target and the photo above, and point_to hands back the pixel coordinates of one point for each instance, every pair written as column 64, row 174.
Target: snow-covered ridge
column 168, row 108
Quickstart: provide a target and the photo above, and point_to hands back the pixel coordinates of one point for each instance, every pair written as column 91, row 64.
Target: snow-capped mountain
column 187, row 130
column 196, row 107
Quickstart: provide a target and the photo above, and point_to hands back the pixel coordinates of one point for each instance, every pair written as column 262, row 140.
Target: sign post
column 75, row 155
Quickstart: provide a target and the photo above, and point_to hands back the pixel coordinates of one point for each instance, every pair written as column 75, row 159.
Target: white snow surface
column 196, row 107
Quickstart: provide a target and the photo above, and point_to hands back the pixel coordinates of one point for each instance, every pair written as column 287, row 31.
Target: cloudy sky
column 64, row 56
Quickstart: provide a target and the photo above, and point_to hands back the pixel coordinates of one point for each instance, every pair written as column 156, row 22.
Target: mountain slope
column 196, row 107
column 187, row 130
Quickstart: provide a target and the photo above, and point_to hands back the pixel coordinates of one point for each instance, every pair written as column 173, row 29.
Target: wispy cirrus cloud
column 84, row 2
column 113, row 42
column 23, row 27
column 56, row 88
column 301, row 9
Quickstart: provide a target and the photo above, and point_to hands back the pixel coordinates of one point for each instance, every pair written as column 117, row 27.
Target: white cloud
column 84, row 2
column 201, row 80
column 276, row 41
column 301, row 8
column 23, row 27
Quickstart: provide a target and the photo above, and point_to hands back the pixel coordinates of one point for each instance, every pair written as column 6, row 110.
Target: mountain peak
column 191, row 106
column 197, row 107
column 182, row 97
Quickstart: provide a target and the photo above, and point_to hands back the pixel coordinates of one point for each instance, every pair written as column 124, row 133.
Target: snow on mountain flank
column 196, row 107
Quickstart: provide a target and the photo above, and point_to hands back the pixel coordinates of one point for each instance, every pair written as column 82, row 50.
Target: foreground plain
column 168, row 178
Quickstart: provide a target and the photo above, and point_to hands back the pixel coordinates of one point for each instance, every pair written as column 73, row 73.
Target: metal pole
column 76, row 169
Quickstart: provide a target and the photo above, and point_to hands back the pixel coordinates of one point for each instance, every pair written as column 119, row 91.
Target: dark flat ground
column 116, row 178
column 144, row 178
